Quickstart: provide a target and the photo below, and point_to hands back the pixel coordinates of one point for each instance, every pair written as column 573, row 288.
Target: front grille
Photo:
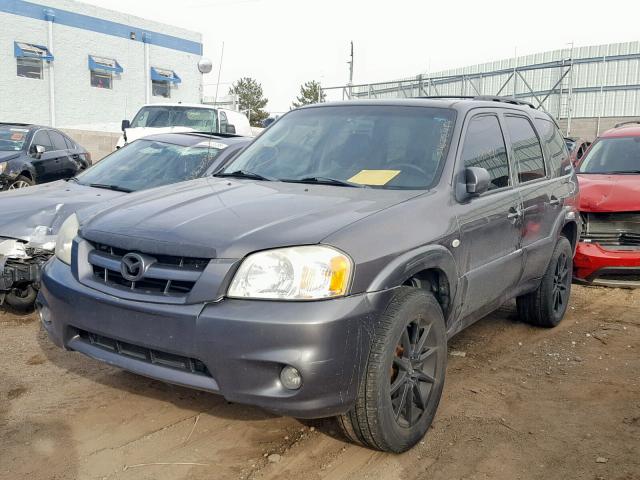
column 612, row 229
column 168, row 276
column 148, row 355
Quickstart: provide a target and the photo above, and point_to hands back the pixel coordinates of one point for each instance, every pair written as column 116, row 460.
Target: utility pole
column 350, row 62
column 570, row 99
column 215, row 100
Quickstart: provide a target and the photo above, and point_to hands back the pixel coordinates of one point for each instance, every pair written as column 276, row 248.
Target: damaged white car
column 31, row 217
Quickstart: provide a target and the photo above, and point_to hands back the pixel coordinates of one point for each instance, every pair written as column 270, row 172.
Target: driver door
column 490, row 255
column 48, row 164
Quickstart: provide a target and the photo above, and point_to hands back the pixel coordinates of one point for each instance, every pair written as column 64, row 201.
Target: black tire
column 22, row 298
column 411, row 327
column 546, row 306
column 20, row 182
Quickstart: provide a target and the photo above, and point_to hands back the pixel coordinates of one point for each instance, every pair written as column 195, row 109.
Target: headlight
column 66, row 234
column 3, row 166
column 293, row 273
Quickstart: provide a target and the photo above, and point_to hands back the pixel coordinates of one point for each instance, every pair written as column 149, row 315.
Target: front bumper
column 7, row 179
column 18, row 273
column 243, row 344
column 599, row 266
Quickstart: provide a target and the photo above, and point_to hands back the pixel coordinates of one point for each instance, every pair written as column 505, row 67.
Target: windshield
column 613, row 155
column 146, row 164
column 380, row 146
column 12, row 138
column 199, row 119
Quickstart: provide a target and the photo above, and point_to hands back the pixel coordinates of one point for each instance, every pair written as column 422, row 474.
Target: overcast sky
column 283, row 43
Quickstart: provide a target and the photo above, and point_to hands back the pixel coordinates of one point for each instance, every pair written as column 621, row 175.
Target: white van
column 182, row 117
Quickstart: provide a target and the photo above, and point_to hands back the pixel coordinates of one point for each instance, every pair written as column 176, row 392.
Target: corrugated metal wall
column 604, row 80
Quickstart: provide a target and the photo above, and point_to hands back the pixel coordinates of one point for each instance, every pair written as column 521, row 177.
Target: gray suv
column 322, row 272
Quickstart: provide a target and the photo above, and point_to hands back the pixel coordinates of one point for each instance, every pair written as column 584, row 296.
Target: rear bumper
column 243, row 344
column 598, row 266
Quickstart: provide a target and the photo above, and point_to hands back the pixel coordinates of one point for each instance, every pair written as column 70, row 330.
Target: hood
column 228, row 218
column 609, row 193
column 6, row 156
column 35, row 214
column 139, row 132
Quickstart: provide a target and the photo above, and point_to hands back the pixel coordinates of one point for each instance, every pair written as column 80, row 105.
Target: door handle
column 514, row 213
column 554, row 201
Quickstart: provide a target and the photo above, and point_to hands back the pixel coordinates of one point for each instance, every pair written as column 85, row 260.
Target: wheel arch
column 570, row 231
column 431, row 267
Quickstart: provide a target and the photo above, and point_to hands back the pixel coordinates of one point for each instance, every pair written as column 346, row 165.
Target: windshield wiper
column 243, row 174
column 115, row 188
column 324, row 181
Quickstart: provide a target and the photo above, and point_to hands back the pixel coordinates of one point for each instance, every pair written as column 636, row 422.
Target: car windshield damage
column 613, row 155
column 379, row 146
column 146, row 164
column 199, row 119
column 12, row 138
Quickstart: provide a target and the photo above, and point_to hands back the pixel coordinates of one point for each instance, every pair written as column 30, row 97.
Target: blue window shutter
column 30, row 50
column 161, row 75
column 104, row 64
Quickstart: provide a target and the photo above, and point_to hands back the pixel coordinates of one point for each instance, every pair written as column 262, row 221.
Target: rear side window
column 69, row 143
column 527, row 152
column 484, row 147
column 57, row 140
column 42, row 138
column 559, row 161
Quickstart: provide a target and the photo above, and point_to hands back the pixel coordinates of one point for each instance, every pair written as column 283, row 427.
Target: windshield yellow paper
column 374, row 177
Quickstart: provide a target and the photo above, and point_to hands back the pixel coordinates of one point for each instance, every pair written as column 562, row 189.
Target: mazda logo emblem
column 133, row 266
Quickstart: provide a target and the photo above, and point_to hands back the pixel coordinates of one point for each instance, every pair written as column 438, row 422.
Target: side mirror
column 231, row 129
column 125, row 124
column 37, row 150
column 477, row 180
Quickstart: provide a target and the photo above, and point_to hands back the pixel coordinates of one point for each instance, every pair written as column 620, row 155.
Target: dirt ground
column 522, row 403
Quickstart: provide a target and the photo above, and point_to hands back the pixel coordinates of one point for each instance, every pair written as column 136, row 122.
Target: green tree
column 310, row 92
column 251, row 99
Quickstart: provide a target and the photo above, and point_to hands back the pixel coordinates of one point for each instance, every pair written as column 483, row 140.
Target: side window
column 29, row 67
column 559, row 161
column 484, row 147
column 69, row 143
column 527, row 151
column 223, row 122
column 42, row 138
column 57, row 140
column 160, row 89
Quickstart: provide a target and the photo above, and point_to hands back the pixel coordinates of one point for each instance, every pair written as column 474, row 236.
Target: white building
column 71, row 65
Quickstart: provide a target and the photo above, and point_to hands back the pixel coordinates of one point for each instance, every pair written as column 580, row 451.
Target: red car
column 609, row 176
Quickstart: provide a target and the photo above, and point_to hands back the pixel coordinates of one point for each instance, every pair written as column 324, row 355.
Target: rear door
column 67, row 166
column 540, row 192
column 490, row 228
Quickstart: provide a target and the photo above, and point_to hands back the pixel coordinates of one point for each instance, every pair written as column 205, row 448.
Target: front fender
column 405, row 266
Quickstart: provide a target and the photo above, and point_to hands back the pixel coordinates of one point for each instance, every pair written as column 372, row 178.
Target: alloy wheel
column 413, row 373
column 560, row 283
column 19, row 184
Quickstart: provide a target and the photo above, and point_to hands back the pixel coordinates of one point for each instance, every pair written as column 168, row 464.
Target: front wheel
column 404, row 376
column 22, row 298
column 546, row 306
column 20, row 182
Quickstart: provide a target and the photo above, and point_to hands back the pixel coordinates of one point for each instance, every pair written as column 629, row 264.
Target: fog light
column 291, row 378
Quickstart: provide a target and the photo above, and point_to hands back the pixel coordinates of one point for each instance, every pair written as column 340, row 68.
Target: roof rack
column 631, row 122
column 485, row 98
